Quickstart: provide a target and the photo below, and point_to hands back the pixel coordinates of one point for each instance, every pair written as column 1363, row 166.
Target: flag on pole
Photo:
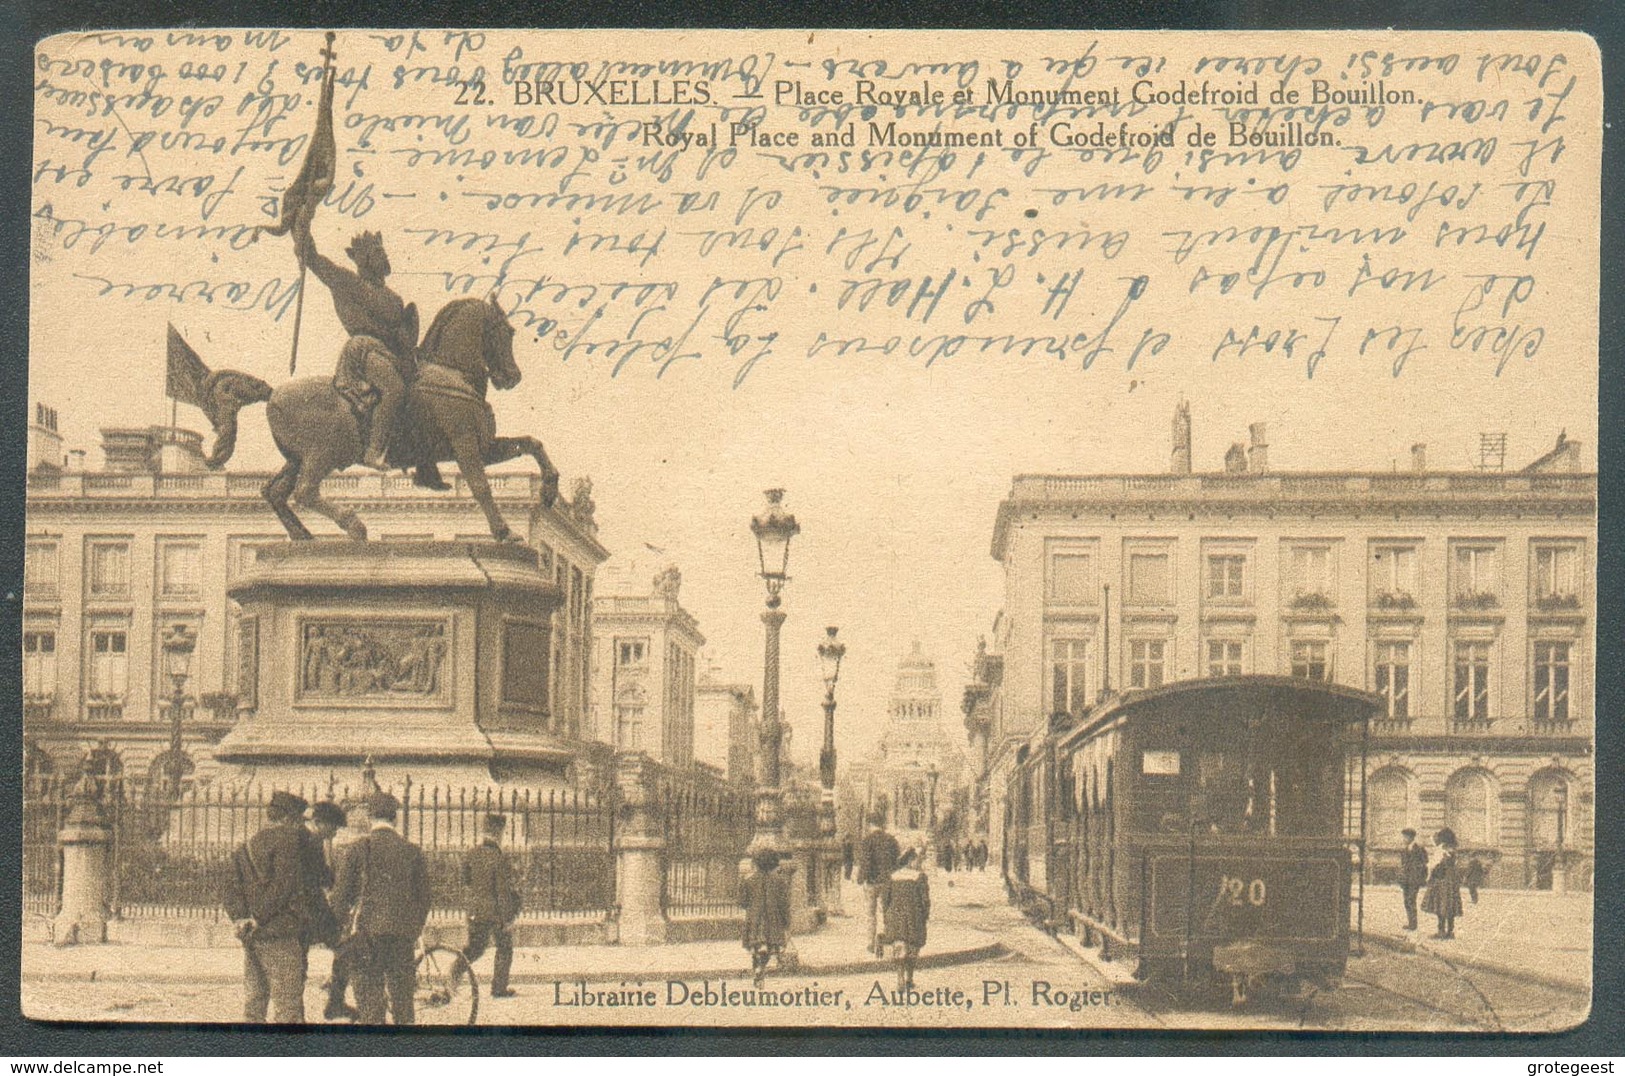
column 187, row 372
column 315, row 178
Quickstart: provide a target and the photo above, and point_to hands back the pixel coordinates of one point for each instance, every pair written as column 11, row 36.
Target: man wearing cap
column 492, row 902
column 267, row 897
column 1413, row 874
column 383, row 887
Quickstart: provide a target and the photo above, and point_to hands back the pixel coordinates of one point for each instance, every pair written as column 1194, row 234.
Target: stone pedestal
column 86, row 841
column 640, row 849
column 430, row 658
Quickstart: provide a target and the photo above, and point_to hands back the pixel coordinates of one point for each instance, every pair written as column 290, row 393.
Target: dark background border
column 23, row 23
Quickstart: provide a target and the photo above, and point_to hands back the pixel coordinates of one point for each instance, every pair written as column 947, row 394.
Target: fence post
column 86, row 840
column 640, row 852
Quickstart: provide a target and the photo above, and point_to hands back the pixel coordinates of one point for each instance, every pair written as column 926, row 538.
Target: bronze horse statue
column 469, row 343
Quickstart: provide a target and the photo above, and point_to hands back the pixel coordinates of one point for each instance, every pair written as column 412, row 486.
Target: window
column 1468, row 797
column 1392, row 679
column 1472, row 681
column 178, row 574
column 1474, row 579
column 1071, row 577
column 110, row 570
column 631, row 652
column 1549, row 809
column 1393, row 576
column 1224, row 657
column 1225, row 572
column 1309, row 661
column 1388, row 808
column 40, row 570
column 1147, row 663
column 1149, row 579
column 1556, row 574
column 39, row 665
column 1068, row 676
column 1309, row 575
column 629, row 727
column 1552, row 674
column 109, row 673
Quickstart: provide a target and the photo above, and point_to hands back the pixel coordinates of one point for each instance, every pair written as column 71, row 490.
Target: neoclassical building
column 121, row 556
column 1466, row 600
column 646, row 649
column 917, row 768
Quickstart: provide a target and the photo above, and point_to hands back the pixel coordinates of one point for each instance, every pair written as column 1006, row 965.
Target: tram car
column 1205, row 828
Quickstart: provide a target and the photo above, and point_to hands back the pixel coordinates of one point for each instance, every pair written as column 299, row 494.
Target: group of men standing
column 284, row 893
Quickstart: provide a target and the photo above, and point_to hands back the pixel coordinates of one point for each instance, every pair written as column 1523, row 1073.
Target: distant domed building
column 918, row 768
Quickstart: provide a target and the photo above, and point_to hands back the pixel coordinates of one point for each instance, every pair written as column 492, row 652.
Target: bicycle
column 448, row 992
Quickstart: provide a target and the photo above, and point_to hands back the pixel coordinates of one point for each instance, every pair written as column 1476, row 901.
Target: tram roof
column 1124, row 704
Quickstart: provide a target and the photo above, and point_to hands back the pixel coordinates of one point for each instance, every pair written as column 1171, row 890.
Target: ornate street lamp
column 830, row 653
column 773, row 529
column 178, row 646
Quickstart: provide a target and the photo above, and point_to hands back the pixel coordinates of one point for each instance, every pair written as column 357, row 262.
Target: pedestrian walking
column 1473, row 877
column 876, row 861
column 765, row 896
column 967, row 856
column 382, row 897
column 908, row 909
column 945, row 856
column 1413, row 874
column 981, row 855
column 492, row 903
column 1443, row 898
column 326, row 819
column 848, row 859
column 267, row 897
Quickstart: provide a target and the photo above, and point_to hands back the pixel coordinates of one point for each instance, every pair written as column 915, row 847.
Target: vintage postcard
column 822, row 529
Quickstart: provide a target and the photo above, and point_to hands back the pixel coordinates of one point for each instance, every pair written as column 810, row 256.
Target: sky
column 894, row 468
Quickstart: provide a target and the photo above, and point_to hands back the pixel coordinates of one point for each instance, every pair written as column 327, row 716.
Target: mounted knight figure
column 392, row 401
column 380, row 361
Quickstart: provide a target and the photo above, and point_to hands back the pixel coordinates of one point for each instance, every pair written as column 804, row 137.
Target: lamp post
column 177, row 646
column 773, row 529
column 931, row 775
column 830, row 653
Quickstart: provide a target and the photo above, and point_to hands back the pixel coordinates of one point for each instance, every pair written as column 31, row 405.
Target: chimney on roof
column 1181, row 462
column 1258, row 452
column 1419, row 457
column 1235, row 460
column 76, row 460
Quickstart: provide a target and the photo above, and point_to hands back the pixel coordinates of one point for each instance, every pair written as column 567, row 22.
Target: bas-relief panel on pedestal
column 360, row 661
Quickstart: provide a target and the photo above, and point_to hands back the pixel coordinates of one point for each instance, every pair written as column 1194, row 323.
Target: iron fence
column 707, row 831
column 561, row 844
column 171, row 855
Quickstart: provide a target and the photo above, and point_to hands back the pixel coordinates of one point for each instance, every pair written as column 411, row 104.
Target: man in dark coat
column 383, row 885
column 765, row 896
column 267, row 897
column 1413, row 874
column 1473, row 877
column 849, row 858
column 876, row 861
column 492, row 903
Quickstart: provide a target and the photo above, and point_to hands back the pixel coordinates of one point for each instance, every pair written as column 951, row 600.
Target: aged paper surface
column 1263, row 365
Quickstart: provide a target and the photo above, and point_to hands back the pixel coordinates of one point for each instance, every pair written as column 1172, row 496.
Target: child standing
column 765, row 896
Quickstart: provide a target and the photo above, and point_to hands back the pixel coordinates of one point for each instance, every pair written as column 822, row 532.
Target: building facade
column 1465, row 599
column 644, row 686
column 917, row 769
column 725, row 727
column 116, row 559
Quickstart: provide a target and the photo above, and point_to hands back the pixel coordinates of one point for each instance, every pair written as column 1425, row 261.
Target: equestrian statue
column 393, row 401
